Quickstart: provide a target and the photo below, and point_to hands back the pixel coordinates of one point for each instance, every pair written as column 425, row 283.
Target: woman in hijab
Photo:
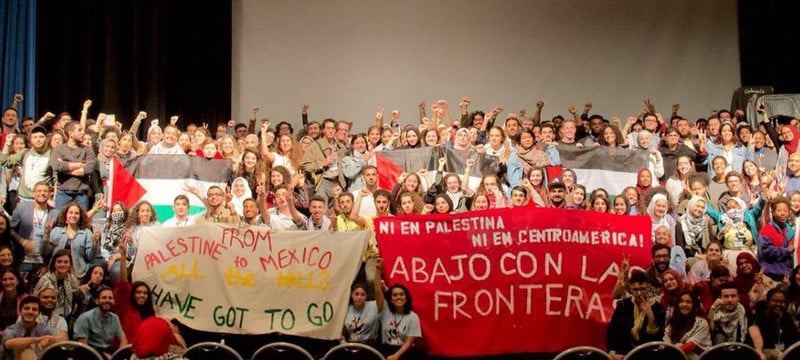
column 693, row 231
column 737, row 227
column 240, row 191
column 657, row 209
column 747, row 267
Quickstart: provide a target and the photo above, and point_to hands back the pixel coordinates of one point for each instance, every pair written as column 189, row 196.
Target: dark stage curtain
column 769, row 45
column 17, row 53
column 165, row 57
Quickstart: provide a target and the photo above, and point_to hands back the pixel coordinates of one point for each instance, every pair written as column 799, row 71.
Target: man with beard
column 343, row 221
column 772, row 330
column 27, row 337
column 684, row 129
column 324, row 158
column 728, row 318
column 557, row 192
column 596, row 125
column 34, row 163
column 637, row 319
column 73, row 164
column 48, row 299
column 660, row 254
column 217, row 209
column 28, row 225
column 9, row 124
column 100, row 327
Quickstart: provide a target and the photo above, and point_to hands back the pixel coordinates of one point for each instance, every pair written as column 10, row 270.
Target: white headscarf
column 238, row 201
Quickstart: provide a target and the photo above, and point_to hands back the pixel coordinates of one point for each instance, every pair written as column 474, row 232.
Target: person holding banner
column 134, row 302
column 451, row 185
column 142, row 215
column 361, row 324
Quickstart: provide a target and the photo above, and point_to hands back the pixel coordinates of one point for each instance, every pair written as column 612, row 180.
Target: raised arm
column 85, row 112
column 304, row 114
column 264, row 146
column 675, row 108
column 445, row 115
column 17, row 99
column 251, row 125
column 353, row 215
column 379, row 118
column 134, row 130
column 574, row 111
column 537, row 116
column 379, row 297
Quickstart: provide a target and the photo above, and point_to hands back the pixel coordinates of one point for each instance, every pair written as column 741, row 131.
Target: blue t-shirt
column 17, row 330
column 99, row 330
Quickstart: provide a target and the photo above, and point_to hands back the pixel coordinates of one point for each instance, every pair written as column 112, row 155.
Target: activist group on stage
column 706, row 207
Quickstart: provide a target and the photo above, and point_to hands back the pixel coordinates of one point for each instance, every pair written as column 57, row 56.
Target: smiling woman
column 399, row 323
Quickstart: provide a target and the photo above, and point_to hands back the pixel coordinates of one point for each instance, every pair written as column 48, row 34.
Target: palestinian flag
column 160, row 178
column 393, row 163
column 595, row 168
column 484, row 165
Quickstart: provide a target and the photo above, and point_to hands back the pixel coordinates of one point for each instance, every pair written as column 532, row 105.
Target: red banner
column 511, row 280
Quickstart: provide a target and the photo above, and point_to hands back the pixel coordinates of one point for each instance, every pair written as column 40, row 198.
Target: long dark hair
column 83, row 222
column 20, row 281
column 407, row 307
column 95, row 288
column 148, row 309
column 679, row 323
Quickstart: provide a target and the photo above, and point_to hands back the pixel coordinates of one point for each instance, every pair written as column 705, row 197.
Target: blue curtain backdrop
column 18, row 53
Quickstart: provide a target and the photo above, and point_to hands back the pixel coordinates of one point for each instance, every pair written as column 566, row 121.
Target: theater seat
column 211, row 351
column 583, row 353
column 124, row 353
column 70, row 350
column 656, row 350
column 353, row 351
column 730, row 350
column 792, row 353
column 281, row 351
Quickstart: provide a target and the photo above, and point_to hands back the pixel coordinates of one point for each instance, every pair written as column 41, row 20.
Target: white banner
column 250, row 280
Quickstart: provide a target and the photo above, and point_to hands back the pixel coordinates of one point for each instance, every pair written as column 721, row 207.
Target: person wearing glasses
column 637, row 319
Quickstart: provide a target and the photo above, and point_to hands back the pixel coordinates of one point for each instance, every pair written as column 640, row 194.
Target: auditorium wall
column 346, row 57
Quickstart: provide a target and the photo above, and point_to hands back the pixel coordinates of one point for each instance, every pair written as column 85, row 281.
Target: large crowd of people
column 722, row 195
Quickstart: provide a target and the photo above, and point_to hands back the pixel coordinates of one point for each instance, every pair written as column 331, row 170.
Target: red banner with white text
column 511, row 280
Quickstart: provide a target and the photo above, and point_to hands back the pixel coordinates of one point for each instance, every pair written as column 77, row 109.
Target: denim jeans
column 64, row 197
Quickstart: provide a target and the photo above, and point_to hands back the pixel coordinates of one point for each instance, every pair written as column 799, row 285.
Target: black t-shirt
column 774, row 329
